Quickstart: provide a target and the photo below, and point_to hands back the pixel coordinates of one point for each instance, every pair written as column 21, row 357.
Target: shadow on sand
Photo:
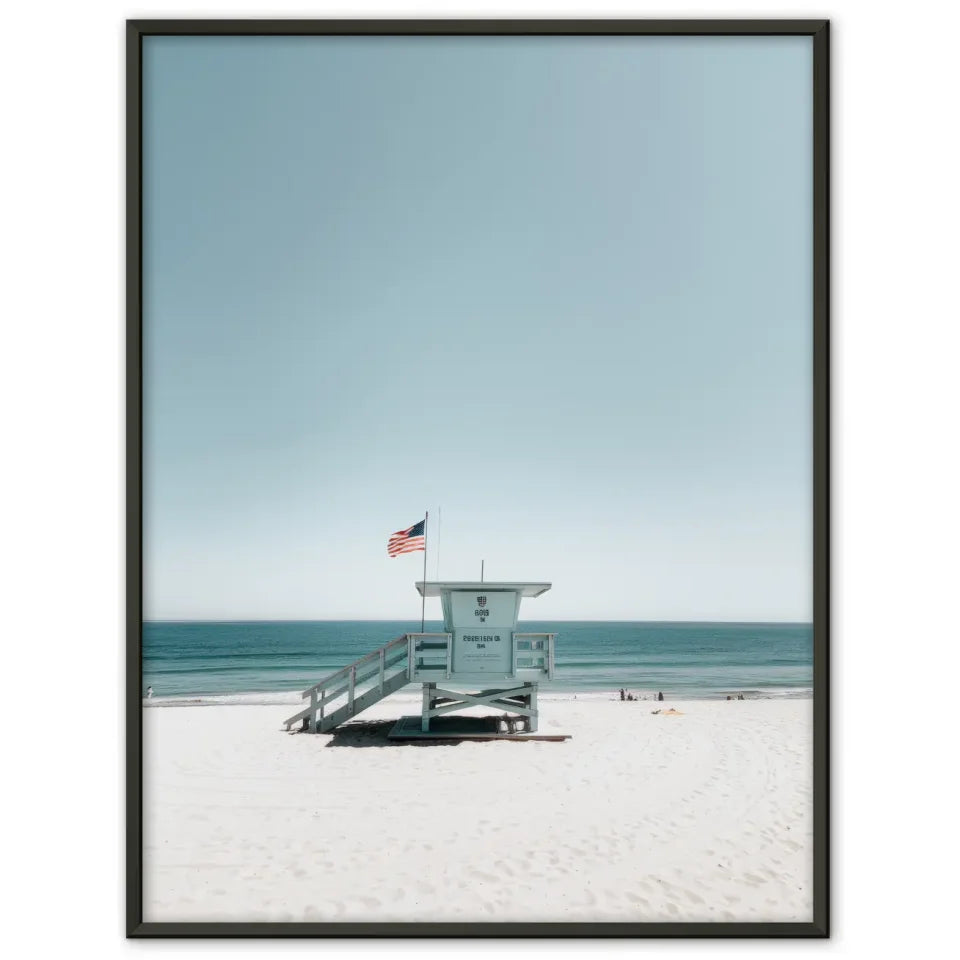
column 373, row 733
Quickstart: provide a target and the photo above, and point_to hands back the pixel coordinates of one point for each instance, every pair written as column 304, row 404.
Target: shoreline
column 604, row 694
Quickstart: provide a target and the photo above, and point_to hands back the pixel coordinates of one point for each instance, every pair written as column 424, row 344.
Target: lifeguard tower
column 480, row 659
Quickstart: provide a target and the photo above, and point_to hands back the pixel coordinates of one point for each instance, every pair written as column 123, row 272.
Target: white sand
column 706, row 816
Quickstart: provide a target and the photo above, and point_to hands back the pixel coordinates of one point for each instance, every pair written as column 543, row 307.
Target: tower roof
column 435, row 588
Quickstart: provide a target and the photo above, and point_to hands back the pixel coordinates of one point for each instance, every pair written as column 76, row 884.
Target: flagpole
column 423, row 601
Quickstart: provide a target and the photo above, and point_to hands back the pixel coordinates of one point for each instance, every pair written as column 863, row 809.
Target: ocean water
column 235, row 660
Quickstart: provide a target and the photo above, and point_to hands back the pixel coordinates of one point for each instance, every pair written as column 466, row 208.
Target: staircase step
column 368, row 699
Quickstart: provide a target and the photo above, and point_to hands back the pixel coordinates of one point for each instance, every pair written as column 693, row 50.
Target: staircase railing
column 325, row 712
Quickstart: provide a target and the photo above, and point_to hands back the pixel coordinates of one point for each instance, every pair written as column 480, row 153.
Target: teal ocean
column 684, row 660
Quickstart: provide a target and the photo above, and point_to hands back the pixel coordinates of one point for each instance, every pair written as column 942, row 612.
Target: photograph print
column 477, row 420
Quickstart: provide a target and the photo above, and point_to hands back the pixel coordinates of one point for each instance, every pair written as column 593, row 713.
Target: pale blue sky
column 558, row 287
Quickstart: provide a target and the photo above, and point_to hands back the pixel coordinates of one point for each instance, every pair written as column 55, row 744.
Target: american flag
column 407, row 541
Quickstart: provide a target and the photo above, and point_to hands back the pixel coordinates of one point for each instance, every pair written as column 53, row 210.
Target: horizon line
column 436, row 620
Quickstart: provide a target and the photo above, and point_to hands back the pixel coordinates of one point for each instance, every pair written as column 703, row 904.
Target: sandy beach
column 701, row 817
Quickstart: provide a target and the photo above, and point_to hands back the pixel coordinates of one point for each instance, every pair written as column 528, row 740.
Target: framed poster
column 477, row 478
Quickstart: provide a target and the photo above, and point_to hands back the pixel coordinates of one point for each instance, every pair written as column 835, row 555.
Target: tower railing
column 534, row 651
column 430, row 656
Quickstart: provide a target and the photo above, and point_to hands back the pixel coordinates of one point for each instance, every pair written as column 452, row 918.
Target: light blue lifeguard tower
column 480, row 659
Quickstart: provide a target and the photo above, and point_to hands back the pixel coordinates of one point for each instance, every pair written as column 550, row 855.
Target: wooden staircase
column 363, row 683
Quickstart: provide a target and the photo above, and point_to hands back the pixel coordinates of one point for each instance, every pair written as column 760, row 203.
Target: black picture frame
column 819, row 31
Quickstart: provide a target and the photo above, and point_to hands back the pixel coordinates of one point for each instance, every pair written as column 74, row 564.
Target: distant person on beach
column 623, row 694
column 660, row 696
column 149, row 692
